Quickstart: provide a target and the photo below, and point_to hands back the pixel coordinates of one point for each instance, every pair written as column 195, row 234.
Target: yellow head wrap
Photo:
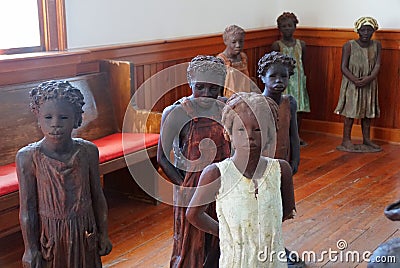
column 365, row 21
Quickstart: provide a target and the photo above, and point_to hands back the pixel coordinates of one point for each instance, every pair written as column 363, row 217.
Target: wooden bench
column 102, row 124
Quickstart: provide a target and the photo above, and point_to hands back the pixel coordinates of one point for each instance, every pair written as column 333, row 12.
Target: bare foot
column 348, row 145
column 371, row 144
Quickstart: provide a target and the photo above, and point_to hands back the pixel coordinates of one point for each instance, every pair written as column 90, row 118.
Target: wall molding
column 322, row 66
column 336, row 128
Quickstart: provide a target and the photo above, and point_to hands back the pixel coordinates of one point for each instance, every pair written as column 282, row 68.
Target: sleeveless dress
column 193, row 248
column 359, row 102
column 297, row 82
column 66, row 217
column 250, row 226
column 236, row 81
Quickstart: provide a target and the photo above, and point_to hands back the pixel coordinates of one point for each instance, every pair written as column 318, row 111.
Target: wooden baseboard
column 335, row 128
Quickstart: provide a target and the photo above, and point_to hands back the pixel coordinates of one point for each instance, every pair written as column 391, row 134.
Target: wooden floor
column 340, row 197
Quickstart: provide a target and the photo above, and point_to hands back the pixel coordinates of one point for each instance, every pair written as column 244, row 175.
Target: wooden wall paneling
column 146, row 86
column 258, row 54
column 337, row 81
column 388, row 79
column 324, row 37
column 390, row 39
column 396, row 87
column 182, row 89
column 252, row 58
column 139, row 78
column 315, row 62
column 322, row 67
column 161, row 82
column 333, row 82
column 168, row 97
column 119, row 77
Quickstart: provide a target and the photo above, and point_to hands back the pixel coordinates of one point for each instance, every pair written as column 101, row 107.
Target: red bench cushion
column 111, row 146
column 8, row 179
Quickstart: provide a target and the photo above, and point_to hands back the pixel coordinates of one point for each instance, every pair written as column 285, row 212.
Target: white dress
column 250, row 228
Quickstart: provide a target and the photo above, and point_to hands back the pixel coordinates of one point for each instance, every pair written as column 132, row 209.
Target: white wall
column 108, row 22
column 342, row 13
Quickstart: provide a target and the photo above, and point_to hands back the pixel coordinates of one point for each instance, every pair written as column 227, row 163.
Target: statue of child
column 63, row 211
column 191, row 129
column 237, row 77
column 296, row 49
column 361, row 61
column 253, row 193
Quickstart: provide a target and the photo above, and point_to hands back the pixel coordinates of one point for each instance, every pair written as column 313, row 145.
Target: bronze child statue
column 275, row 68
column 254, row 193
column 296, row 49
column 63, row 211
column 191, row 129
column 237, row 77
column 361, row 61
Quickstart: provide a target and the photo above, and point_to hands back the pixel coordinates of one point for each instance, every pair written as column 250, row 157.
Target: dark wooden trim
column 53, row 25
column 327, row 37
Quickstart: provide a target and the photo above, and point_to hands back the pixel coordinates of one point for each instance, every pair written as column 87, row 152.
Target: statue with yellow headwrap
column 361, row 59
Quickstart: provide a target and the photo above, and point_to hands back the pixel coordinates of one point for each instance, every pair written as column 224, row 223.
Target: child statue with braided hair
column 296, row 49
column 253, row 193
column 275, row 68
column 190, row 128
column 361, row 61
column 63, row 211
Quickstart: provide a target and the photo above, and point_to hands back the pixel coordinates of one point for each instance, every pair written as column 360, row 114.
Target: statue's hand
column 294, row 166
column 32, row 259
column 105, row 245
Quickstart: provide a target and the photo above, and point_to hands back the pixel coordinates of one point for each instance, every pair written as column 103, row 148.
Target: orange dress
column 237, row 76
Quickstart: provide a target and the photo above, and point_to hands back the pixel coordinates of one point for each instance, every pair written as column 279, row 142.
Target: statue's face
column 365, row 33
column 234, row 44
column 246, row 131
column 207, row 84
column 276, row 78
column 287, row 27
column 56, row 119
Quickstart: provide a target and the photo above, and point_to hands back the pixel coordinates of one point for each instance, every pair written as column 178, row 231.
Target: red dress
column 193, row 248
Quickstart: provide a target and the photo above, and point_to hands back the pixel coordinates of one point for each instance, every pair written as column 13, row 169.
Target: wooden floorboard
column 339, row 196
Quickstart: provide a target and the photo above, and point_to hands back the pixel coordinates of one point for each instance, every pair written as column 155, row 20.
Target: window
column 32, row 26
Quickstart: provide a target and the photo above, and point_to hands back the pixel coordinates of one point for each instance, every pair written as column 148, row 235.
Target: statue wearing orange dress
column 237, row 77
